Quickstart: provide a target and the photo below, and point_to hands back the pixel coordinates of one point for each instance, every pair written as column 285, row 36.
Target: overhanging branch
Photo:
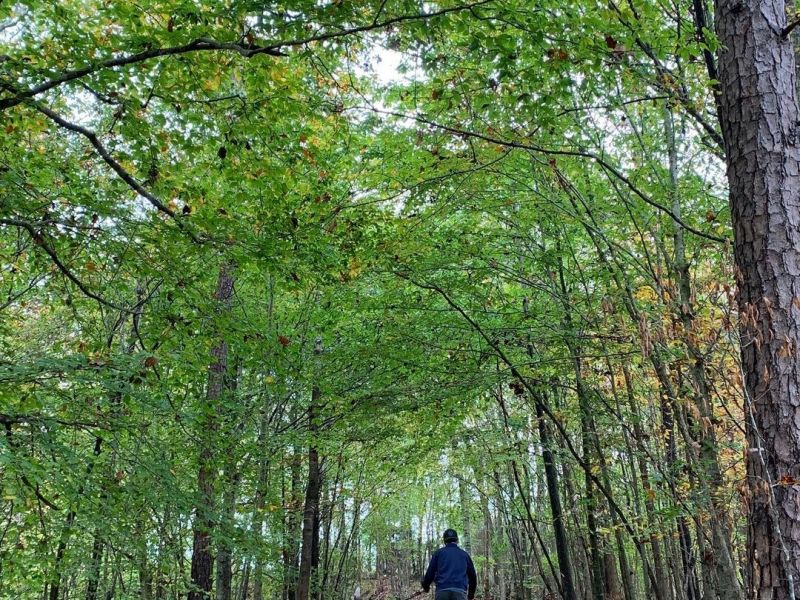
column 123, row 174
column 39, row 240
column 603, row 163
column 209, row 44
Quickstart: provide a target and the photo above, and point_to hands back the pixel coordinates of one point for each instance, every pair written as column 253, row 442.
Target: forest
column 289, row 288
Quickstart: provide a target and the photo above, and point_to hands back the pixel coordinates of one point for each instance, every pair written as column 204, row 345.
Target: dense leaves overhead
column 314, row 280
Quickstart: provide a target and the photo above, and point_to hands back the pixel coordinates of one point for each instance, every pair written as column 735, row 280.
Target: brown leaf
column 557, row 54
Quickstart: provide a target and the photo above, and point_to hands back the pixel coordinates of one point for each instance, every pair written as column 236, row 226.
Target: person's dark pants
column 451, row 595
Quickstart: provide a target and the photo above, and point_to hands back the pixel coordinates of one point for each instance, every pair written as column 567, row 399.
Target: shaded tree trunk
column 292, row 532
column 309, row 552
column 202, row 556
column 559, row 528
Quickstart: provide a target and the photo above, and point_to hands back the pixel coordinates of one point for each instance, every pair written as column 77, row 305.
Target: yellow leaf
column 354, row 267
column 212, row 85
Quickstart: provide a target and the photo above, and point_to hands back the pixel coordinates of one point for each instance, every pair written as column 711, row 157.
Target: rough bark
column 759, row 119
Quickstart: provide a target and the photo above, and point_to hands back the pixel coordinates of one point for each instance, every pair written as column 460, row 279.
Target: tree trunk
column 292, row 534
column 224, row 553
column 258, row 508
column 662, row 582
column 311, row 507
column 719, row 568
column 551, row 476
column 202, row 557
column 759, row 119
column 231, row 479
column 463, row 501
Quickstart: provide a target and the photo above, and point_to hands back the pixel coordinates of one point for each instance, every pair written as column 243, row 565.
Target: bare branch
column 789, row 29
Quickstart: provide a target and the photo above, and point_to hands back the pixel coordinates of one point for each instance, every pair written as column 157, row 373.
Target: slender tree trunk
column 310, row 511
column 224, row 557
column 588, row 441
column 258, row 508
column 668, row 398
column 487, row 542
column 553, row 493
column 218, row 380
column 245, row 587
column 759, row 118
column 94, row 567
column 231, row 479
column 665, row 589
column 612, row 583
column 315, row 545
column 66, row 532
column 466, row 530
column 145, row 572
column 293, row 530
column 596, row 561
column 719, row 569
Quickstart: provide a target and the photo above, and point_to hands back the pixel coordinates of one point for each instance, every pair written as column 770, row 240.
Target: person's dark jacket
column 451, row 568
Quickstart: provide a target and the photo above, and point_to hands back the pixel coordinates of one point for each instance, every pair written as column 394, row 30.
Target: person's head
column 450, row 535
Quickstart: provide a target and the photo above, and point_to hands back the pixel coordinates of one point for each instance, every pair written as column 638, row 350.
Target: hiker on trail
column 452, row 570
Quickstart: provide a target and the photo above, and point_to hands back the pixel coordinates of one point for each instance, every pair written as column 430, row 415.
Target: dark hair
column 450, row 535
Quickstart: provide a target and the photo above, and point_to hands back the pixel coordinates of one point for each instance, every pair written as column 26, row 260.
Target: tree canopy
column 288, row 288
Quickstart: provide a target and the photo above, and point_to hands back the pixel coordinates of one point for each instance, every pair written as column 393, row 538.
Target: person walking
column 452, row 570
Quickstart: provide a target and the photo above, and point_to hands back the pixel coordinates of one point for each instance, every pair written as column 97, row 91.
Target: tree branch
column 551, row 152
column 116, row 167
column 789, row 28
column 664, row 72
column 39, row 240
column 208, row 44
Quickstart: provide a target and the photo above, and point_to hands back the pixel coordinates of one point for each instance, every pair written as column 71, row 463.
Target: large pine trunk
column 760, row 119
